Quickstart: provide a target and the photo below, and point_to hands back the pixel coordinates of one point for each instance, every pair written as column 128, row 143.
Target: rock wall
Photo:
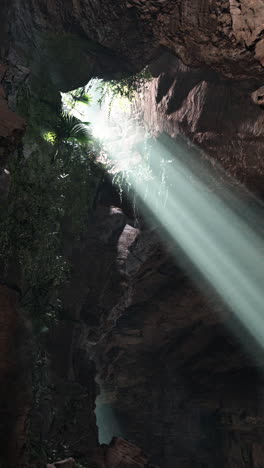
column 218, row 116
column 66, row 419
column 15, row 378
column 171, row 354
column 226, row 35
column 119, row 454
column 177, row 380
column 105, row 38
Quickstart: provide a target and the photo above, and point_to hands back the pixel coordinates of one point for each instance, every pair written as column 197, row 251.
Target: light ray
column 226, row 251
column 206, row 223
column 200, row 214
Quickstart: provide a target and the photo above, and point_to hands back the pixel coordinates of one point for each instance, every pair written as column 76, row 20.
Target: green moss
column 50, row 199
column 46, row 197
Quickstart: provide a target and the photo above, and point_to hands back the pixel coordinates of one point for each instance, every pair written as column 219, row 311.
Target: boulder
column 67, row 463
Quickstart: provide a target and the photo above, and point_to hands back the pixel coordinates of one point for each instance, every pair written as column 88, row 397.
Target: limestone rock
column 106, row 38
column 171, row 357
column 120, row 454
column 219, row 116
column 68, row 463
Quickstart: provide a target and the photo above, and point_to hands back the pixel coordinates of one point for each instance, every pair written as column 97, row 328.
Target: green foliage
column 29, row 233
column 77, row 101
column 79, row 95
column 124, row 88
column 82, row 175
column 43, row 195
column 54, row 181
column 67, row 127
column 36, row 454
column 52, row 191
column 70, row 128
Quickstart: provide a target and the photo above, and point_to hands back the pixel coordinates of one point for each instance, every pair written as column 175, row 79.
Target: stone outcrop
column 64, row 419
column 68, row 463
column 120, row 453
column 173, row 352
column 176, row 379
column 218, row 116
column 80, row 39
column 226, row 35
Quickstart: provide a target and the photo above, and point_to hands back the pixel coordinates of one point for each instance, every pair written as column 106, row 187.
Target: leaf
column 84, row 98
column 68, row 127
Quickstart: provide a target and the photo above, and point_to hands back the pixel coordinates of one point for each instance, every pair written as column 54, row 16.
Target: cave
column 131, row 234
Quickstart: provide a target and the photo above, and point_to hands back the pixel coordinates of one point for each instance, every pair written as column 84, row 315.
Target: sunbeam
column 201, row 215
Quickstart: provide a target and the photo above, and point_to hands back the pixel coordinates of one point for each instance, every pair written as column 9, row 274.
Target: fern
column 68, row 128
